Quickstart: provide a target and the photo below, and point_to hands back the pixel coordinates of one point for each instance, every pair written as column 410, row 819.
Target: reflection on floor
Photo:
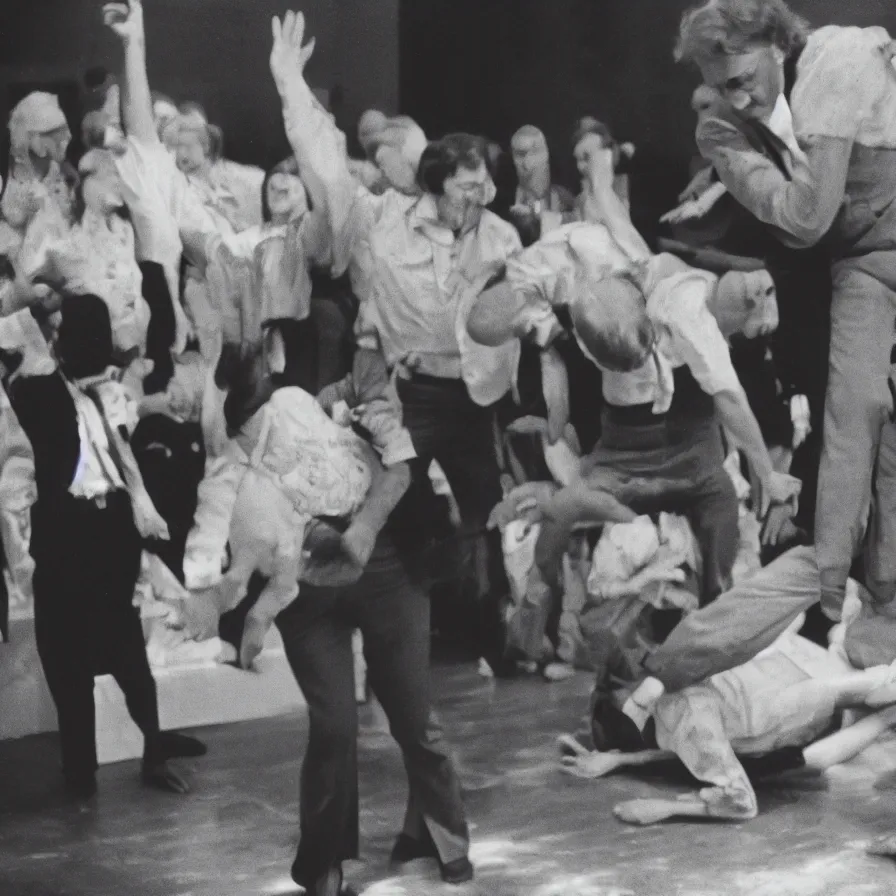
column 537, row 833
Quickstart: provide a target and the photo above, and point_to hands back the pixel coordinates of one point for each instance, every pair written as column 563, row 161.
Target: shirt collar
column 424, row 216
column 89, row 382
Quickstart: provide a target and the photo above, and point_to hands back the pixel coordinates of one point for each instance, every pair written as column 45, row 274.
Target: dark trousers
column 447, row 426
column 392, row 612
column 87, row 560
column 675, row 467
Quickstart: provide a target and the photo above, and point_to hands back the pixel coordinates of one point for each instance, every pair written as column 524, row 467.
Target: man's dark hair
column 288, row 166
column 443, row 158
column 84, row 342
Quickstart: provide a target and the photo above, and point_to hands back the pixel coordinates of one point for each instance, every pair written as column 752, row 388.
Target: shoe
column 330, row 884
column 460, row 871
column 409, row 849
column 174, row 745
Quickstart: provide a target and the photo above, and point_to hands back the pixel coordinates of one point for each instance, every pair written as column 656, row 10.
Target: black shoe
column 460, row 871
column 174, row 745
column 330, row 885
column 409, row 849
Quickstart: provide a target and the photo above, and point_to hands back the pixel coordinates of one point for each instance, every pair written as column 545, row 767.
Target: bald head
column 531, row 160
column 370, row 125
column 528, row 132
column 746, row 303
column 611, row 323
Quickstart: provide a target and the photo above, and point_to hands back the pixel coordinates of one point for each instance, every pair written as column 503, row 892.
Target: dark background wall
column 213, row 51
column 479, row 65
column 493, row 65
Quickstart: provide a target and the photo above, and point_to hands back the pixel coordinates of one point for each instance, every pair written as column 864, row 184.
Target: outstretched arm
column 317, row 143
column 126, row 20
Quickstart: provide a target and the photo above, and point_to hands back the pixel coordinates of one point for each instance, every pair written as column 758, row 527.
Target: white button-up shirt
column 416, row 281
column 551, row 271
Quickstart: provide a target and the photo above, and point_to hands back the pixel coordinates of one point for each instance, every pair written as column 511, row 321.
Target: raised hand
column 289, row 53
column 125, row 19
column 601, row 170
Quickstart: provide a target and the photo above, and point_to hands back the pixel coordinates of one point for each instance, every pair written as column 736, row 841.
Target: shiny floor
column 536, row 832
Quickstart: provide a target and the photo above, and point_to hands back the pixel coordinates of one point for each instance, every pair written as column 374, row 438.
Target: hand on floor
column 592, row 765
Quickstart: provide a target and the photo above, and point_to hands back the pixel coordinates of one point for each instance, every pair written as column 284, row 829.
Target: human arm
column 843, row 77
column 801, row 210
column 369, row 394
column 695, row 338
column 318, row 145
column 773, row 487
column 594, row 764
column 126, row 21
column 602, row 205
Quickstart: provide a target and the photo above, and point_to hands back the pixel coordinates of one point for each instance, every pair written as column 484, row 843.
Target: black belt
column 633, row 415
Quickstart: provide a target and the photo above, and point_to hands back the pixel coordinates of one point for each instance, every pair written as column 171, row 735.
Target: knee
column 418, row 730
column 333, row 731
column 862, row 409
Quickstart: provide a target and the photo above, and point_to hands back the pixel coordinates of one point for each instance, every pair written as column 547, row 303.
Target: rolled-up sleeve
column 690, row 724
column 378, row 409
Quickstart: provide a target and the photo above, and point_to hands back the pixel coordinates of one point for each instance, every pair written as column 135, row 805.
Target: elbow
column 807, row 230
column 804, row 236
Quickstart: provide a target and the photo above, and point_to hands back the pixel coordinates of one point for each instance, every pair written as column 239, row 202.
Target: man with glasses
column 802, row 134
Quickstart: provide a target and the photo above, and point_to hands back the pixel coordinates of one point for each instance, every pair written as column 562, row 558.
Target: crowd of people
column 269, row 397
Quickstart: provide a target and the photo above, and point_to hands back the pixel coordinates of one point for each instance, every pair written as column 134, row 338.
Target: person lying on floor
column 285, row 464
column 787, row 696
column 657, row 329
